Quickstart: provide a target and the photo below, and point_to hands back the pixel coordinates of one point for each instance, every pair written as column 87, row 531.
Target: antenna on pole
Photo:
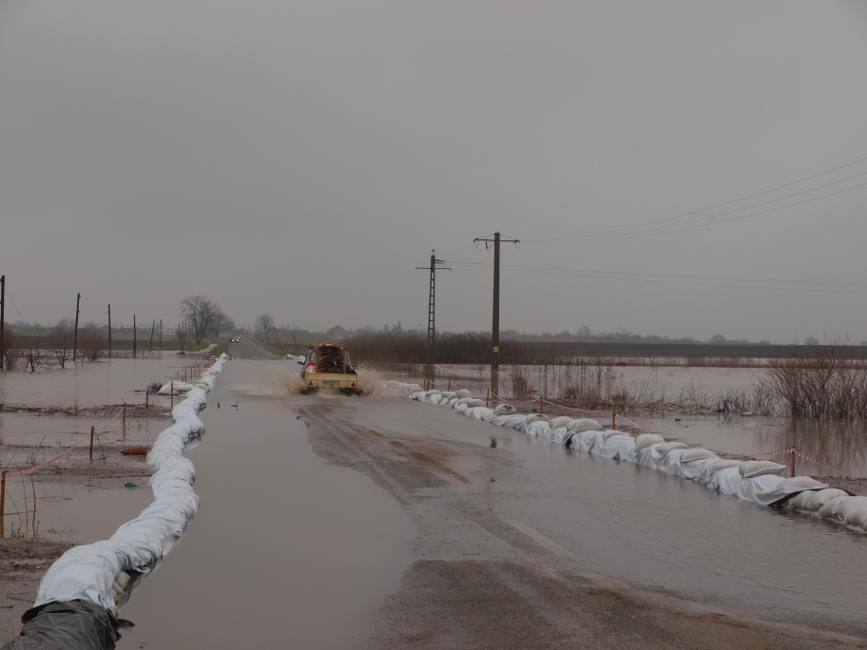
column 495, row 325
column 435, row 265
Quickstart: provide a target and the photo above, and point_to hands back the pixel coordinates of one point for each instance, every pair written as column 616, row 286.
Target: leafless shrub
column 92, row 344
column 824, row 385
column 520, row 385
column 60, row 340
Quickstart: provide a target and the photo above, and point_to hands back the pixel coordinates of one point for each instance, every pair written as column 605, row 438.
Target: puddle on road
column 285, row 552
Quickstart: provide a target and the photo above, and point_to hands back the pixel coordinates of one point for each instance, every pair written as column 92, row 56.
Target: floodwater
column 289, row 551
column 92, row 384
column 643, row 527
column 828, row 448
column 285, row 552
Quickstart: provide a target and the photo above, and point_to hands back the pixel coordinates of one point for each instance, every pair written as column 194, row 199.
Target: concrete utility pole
column 109, row 331
column 2, row 321
column 161, row 334
column 75, row 334
column 134, row 337
column 430, row 358
column 151, row 344
column 495, row 325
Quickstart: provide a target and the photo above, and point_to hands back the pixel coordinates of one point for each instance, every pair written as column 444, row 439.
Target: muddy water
column 93, row 384
column 286, row 551
column 639, row 526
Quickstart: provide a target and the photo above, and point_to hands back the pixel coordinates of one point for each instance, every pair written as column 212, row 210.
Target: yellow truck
column 329, row 366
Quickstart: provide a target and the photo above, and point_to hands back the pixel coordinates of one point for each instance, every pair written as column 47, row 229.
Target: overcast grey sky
column 303, row 157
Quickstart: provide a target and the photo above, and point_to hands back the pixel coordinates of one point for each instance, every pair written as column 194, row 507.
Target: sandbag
column 561, row 421
column 696, row 453
column 647, row 439
column 584, row 424
column 751, row 468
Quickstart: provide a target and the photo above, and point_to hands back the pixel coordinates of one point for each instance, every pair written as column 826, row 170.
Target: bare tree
column 33, row 356
column 265, row 325
column 60, row 341
column 204, row 316
column 181, row 335
column 92, row 344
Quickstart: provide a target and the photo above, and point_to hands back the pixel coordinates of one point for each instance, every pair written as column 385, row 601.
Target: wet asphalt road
column 338, row 522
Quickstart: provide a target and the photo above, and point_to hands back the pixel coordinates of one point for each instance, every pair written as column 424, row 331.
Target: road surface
column 247, row 349
column 343, row 522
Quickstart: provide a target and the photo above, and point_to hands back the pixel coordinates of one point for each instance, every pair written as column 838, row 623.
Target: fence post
column 3, row 504
column 450, row 383
column 147, row 396
column 613, row 420
column 488, row 398
column 792, row 455
column 124, row 420
column 91, row 442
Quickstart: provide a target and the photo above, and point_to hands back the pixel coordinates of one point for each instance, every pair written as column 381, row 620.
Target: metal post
column 92, row 429
column 2, row 321
column 75, row 335
column 429, row 352
column 613, row 420
column 124, row 420
column 147, row 396
column 172, row 393
column 541, row 406
column 3, row 504
column 109, row 331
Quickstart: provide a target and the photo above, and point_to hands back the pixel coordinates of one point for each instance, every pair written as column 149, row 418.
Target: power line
column 683, row 278
column 675, row 228
column 652, row 224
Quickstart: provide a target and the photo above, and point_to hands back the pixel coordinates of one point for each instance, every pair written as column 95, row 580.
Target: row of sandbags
column 758, row 481
column 100, row 572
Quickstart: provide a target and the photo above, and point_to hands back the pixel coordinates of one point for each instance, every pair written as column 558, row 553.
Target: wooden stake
column 147, row 396
column 792, row 456
column 613, row 420
column 92, row 429
column 541, row 406
column 124, row 420
column 172, row 393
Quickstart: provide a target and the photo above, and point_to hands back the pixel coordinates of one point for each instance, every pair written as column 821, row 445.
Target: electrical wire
column 683, row 218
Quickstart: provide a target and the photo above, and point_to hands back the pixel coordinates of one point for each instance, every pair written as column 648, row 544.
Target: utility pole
column 75, row 335
column 151, row 344
column 161, row 334
column 2, row 322
column 109, row 332
column 134, row 337
column 435, row 265
column 495, row 325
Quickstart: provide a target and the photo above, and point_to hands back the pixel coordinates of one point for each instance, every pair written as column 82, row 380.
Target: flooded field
column 828, row 448
column 93, row 384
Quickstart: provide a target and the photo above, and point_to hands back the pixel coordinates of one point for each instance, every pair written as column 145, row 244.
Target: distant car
column 236, row 339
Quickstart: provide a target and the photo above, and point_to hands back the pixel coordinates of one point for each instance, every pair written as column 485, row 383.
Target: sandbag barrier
column 76, row 605
column 762, row 482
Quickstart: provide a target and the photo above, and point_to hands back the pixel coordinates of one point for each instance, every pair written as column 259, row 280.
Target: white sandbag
column 562, row 421
column 537, row 427
column 724, row 463
column 179, row 387
column 802, row 483
column 538, row 417
column 647, row 439
column 584, row 424
column 663, row 448
column 463, row 392
column 503, row 409
column 696, row 453
column 751, row 468
column 90, row 572
column 615, row 445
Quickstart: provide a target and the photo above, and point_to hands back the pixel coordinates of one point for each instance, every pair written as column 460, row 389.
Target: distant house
column 336, row 333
